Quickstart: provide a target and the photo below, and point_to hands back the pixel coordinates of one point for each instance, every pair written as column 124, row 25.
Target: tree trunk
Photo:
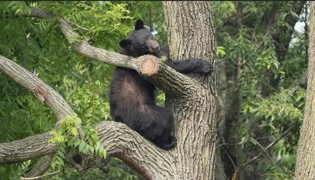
column 305, row 163
column 191, row 35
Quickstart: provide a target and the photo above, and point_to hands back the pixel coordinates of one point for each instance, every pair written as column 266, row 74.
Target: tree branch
column 124, row 143
column 118, row 139
column 27, row 148
column 46, row 95
column 41, row 90
column 164, row 77
column 268, row 147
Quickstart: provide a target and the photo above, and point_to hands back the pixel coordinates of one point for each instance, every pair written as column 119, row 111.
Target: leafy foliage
column 39, row 46
column 114, row 169
column 278, row 113
column 263, row 57
column 67, row 136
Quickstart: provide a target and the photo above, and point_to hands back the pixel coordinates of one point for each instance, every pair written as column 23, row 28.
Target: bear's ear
column 139, row 24
column 125, row 43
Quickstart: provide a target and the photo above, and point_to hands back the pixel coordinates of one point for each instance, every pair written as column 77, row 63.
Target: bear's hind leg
column 164, row 138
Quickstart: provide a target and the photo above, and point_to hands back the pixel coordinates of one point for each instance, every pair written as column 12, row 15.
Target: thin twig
column 36, row 177
column 77, row 25
column 269, row 146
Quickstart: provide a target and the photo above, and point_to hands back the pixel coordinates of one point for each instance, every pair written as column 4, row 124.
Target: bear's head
column 140, row 42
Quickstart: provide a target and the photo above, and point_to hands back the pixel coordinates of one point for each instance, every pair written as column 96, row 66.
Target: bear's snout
column 153, row 45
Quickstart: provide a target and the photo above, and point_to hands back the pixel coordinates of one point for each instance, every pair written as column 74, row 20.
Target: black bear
column 132, row 98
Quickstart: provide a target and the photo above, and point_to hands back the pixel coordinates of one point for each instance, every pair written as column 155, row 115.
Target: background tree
column 305, row 166
column 262, row 105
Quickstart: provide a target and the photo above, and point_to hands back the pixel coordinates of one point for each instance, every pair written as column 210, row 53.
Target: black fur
column 132, row 98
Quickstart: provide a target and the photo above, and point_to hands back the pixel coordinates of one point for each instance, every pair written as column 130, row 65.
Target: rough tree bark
column 305, row 164
column 193, row 100
column 191, row 34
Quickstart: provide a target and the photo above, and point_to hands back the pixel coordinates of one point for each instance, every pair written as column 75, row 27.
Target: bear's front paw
column 172, row 143
column 207, row 68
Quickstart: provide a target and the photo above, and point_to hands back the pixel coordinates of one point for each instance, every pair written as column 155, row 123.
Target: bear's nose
column 153, row 45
